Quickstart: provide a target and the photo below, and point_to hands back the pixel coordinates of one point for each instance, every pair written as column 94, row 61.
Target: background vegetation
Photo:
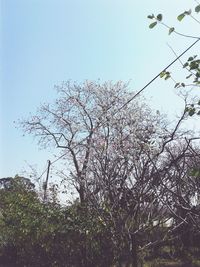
column 136, row 177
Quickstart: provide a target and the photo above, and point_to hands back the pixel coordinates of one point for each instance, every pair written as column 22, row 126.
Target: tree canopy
column 136, row 176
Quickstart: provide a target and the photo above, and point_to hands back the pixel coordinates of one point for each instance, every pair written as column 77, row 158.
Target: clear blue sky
column 44, row 42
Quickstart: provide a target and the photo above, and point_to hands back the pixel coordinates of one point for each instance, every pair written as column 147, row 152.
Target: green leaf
column 194, row 65
column 195, row 173
column 181, row 16
column 188, row 12
column 171, row 30
column 151, row 16
column 197, row 8
column 176, row 85
column 152, row 25
column 188, row 76
column 185, row 65
column 159, row 17
column 190, row 58
column 187, row 109
column 162, row 74
column 167, row 76
column 191, row 112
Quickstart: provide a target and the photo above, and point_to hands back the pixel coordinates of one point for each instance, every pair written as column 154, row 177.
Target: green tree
column 28, row 226
column 34, row 233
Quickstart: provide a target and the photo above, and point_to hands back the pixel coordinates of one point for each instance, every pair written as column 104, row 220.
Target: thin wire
column 52, row 162
column 58, row 158
column 141, row 90
column 42, row 173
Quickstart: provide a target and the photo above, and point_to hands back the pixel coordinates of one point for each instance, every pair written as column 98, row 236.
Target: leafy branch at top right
column 191, row 65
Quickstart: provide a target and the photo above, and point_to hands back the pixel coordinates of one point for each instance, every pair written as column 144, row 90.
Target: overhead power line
column 141, row 90
column 52, row 163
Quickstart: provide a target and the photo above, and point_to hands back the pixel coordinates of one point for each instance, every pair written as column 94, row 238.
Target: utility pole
column 46, row 181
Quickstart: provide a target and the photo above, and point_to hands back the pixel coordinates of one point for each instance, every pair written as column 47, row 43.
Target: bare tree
column 126, row 163
column 143, row 180
column 83, row 120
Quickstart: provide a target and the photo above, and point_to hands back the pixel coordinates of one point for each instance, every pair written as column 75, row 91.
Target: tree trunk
column 134, row 253
column 81, row 191
column 82, row 195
